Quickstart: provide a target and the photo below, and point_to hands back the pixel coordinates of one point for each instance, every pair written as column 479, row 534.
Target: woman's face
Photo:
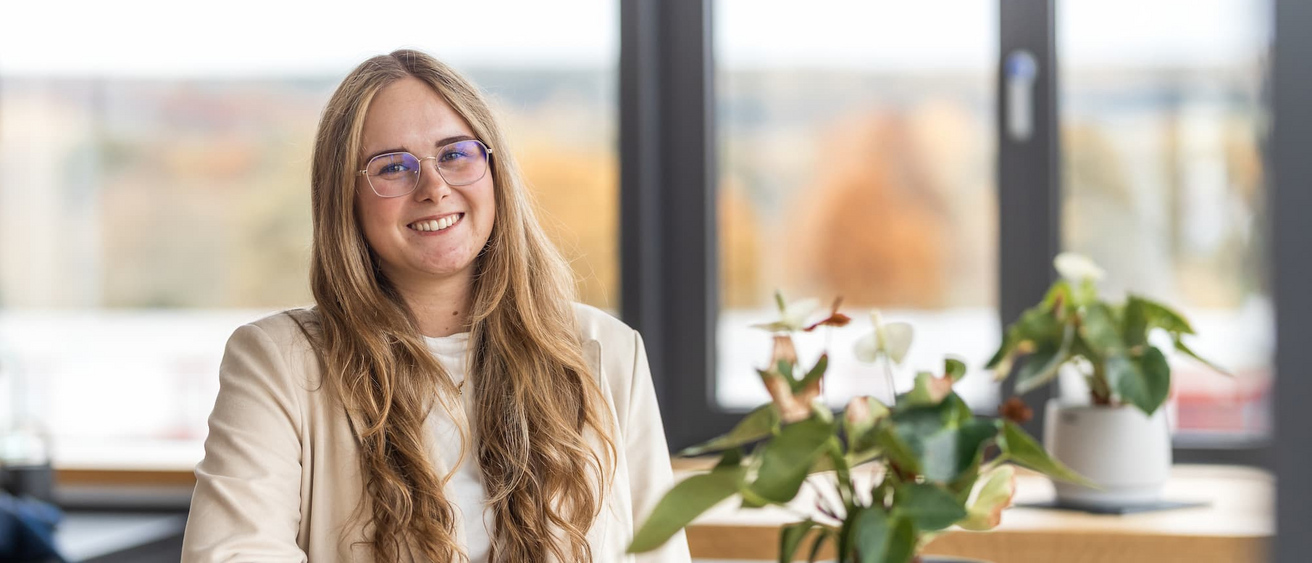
column 409, row 116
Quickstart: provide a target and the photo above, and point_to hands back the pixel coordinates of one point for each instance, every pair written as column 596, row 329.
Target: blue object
column 27, row 530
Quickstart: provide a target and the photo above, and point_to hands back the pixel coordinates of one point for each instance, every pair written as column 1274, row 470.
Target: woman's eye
column 453, row 156
column 393, row 169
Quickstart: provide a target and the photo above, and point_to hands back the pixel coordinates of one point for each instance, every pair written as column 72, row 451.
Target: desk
column 108, row 536
column 1234, row 528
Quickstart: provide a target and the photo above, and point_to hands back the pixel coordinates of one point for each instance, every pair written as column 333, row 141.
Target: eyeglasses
column 397, row 173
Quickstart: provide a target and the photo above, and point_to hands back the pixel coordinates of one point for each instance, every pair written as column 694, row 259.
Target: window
column 856, row 160
column 1165, row 185
column 154, row 198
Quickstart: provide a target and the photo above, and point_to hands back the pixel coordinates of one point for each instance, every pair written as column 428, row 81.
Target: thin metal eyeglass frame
column 487, row 162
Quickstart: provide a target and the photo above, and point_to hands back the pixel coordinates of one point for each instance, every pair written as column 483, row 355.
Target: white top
column 465, row 489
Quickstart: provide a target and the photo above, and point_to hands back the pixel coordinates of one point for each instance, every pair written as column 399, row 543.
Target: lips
column 436, row 224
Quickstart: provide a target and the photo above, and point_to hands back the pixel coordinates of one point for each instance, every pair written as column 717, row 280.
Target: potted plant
column 925, row 454
column 1121, row 439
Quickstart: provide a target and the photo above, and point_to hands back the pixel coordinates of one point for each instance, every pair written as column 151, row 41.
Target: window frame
column 669, row 263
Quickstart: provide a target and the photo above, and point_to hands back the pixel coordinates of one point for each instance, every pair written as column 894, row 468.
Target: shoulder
column 619, row 344
column 290, row 331
column 278, row 344
column 596, row 324
column 617, row 350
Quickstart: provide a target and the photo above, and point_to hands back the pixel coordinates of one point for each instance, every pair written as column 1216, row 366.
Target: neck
column 440, row 306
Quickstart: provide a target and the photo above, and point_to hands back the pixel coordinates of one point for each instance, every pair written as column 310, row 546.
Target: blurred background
column 154, row 189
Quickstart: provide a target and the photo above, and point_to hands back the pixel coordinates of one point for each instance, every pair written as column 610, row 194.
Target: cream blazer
column 281, row 473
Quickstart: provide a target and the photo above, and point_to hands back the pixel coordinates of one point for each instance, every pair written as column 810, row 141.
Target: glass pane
column 1162, row 119
column 856, row 161
column 152, row 199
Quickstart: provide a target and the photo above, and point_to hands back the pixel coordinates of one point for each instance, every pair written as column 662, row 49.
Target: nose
column 431, row 184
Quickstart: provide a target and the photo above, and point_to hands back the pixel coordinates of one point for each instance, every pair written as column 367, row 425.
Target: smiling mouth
column 435, row 225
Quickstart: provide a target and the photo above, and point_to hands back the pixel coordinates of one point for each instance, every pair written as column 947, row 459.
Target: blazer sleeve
column 650, row 473
column 246, row 505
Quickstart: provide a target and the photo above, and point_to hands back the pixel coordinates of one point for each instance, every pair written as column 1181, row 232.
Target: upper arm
column 647, row 452
column 246, row 505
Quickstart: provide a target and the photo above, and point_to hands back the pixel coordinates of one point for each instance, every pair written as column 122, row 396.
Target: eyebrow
column 441, row 143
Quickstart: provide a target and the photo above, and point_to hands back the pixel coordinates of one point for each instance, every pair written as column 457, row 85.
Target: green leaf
column 1100, row 330
column 731, row 458
column 834, row 451
column 949, row 453
column 929, row 506
column 818, row 543
column 1084, row 295
column 1143, row 382
column 1060, row 291
column 856, row 458
column 858, row 428
column 917, row 422
column 1179, row 345
column 896, row 449
column 1021, row 448
column 928, row 390
column 1157, row 315
column 757, row 424
column 1039, row 325
column 685, row 502
column 954, row 369
column 816, row 372
column 1042, row 367
column 995, row 494
column 786, row 459
column 1009, row 341
column 779, row 300
column 790, row 538
column 901, row 541
column 869, row 536
column 1157, row 378
column 786, row 369
column 1134, row 327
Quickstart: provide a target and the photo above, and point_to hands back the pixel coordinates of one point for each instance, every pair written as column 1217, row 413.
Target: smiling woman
column 432, row 265
column 343, row 432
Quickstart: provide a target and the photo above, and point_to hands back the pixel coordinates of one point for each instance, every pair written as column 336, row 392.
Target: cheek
column 487, row 200
column 373, row 217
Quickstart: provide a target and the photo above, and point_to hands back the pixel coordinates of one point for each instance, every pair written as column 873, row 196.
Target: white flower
column 797, row 312
column 891, row 339
column 792, row 316
column 1077, row 267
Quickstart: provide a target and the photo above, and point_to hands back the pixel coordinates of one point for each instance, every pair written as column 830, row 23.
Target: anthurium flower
column 793, row 397
column 929, row 389
column 792, row 407
column 834, row 319
column 1077, row 267
column 792, row 316
column 888, row 339
column 862, row 414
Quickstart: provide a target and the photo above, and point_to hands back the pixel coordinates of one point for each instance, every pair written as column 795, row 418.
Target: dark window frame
column 668, row 230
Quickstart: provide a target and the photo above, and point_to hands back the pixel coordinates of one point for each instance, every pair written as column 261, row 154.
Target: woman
column 445, row 399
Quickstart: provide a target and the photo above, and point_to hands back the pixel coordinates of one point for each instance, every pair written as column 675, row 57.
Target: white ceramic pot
column 1126, row 453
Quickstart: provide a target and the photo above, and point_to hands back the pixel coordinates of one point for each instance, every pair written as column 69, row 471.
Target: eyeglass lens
column 460, row 163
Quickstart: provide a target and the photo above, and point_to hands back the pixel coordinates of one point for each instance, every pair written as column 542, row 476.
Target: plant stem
column 888, row 378
column 1098, row 385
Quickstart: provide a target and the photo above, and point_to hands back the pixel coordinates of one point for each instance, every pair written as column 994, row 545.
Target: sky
column 282, row 38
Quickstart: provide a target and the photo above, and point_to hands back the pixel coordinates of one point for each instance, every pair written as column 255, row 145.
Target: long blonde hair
column 536, row 401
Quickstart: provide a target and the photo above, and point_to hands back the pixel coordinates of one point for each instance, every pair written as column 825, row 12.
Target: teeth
column 435, row 225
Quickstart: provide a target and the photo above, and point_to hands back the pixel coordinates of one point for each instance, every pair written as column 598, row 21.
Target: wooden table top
column 1233, row 528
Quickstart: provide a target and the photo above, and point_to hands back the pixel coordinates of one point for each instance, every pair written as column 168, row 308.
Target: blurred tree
column 872, row 228
column 740, row 262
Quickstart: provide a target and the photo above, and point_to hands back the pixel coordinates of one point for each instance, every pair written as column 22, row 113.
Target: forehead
column 408, row 114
